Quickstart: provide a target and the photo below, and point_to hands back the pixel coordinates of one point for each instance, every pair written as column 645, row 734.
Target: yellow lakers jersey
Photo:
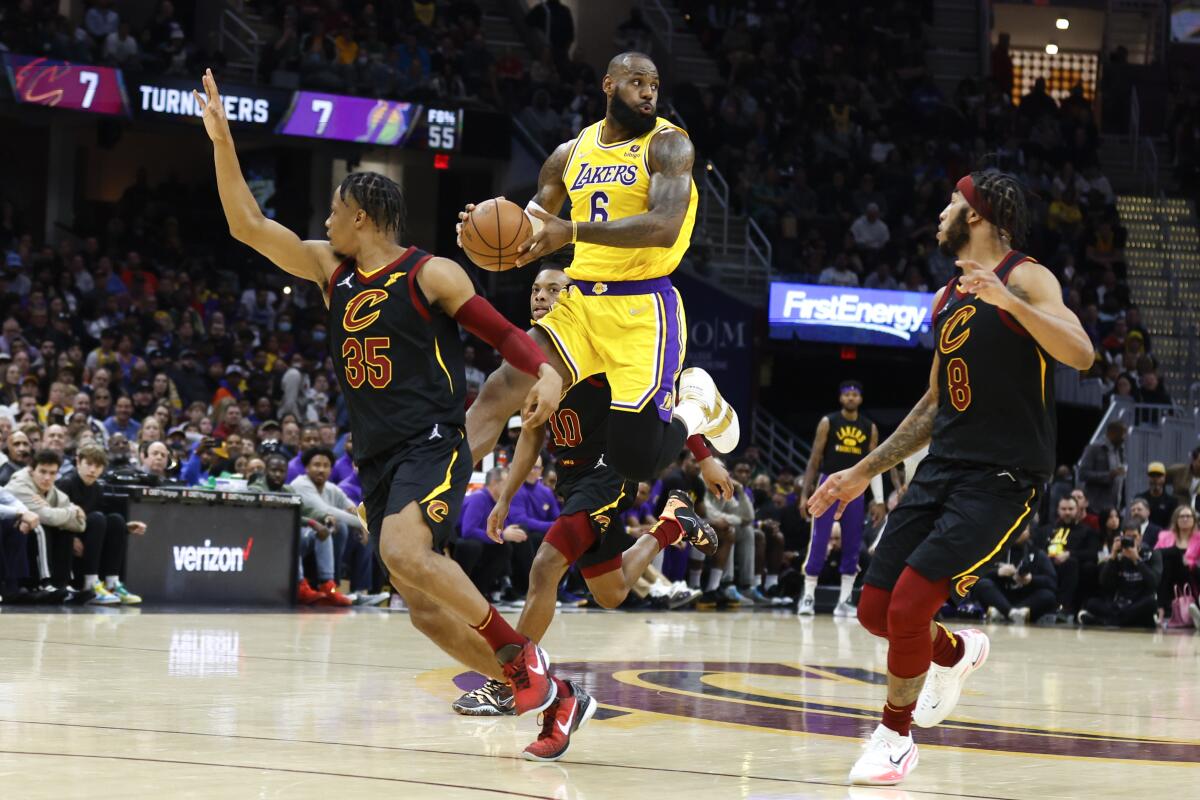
column 609, row 182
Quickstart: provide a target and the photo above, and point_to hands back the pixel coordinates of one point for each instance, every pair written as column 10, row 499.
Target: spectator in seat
column 310, row 437
column 1128, row 584
column 1139, row 512
column 316, row 537
column 1074, row 548
column 16, row 522
column 1021, row 587
column 122, row 420
column 738, row 515
column 870, row 232
column 1102, row 468
column 1180, row 547
column 204, row 463
column 484, row 560
column 62, row 521
column 328, row 500
column 121, row 48
column 105, row 535
column 1185, row 480
column 1161, row 502
column 154, row 458
column 533, row 509
column 20, row 453
column 101, row 20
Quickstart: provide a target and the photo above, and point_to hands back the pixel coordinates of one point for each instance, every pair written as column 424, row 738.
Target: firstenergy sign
column 849, row 315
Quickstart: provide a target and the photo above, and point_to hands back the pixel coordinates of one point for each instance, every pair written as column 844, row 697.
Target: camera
column 1127, row 541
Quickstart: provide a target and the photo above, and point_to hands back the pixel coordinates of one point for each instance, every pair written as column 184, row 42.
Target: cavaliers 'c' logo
column 954, row 332
column 351, row 321
column 602, row 520
column 437, row 510
column 964, row 584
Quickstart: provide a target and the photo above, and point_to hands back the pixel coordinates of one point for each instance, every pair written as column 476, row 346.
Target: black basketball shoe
column 493, row 699
column 695, row 529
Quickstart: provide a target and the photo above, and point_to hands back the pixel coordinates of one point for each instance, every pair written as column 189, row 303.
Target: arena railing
column 234, row 31
column 779, row 446
column 656, row 9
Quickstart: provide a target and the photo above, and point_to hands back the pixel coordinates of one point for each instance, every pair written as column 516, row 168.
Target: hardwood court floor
column 132, row 704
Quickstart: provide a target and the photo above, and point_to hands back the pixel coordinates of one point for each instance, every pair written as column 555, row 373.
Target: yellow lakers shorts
column 635, row 332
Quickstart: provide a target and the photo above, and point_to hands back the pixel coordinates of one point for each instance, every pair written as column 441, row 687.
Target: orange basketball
column 493, row 231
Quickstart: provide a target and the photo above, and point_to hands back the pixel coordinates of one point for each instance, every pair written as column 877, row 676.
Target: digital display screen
column 350, row 119
column 168, row 98
column 849, row 315
column 443, row 128
column 61, row 84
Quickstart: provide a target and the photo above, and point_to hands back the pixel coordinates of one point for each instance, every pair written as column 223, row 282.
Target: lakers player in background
column 633, row 204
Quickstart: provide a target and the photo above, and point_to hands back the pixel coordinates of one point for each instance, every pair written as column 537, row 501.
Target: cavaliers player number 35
column 988, row 418
column 394, row 312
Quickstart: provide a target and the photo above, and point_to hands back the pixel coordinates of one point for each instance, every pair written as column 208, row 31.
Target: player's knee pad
column 873, row 609
column 915, row 602
column 572, row 535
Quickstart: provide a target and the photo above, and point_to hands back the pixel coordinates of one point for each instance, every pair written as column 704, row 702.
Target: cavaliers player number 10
column 394, row 312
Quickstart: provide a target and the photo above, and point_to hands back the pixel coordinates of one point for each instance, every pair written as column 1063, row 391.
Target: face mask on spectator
column 318, row 336
column 285, row 326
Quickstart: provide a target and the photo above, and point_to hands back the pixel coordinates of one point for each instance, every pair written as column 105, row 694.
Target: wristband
column 574, row 231
column 698, row 447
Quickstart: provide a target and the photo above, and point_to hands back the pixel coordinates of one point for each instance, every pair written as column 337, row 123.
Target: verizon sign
column 212, row 559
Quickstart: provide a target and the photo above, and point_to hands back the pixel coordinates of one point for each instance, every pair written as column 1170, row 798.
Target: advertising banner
column 233, row 551
column 849, row 315
column 172, row 98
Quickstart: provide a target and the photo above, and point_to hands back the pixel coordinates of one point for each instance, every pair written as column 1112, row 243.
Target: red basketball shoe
column 528, row 672
column 565, row 716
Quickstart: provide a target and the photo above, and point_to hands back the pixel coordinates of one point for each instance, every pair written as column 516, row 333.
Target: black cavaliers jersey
column 995, row 384
column 579, row 429
column 399, row 360
column 846, row 444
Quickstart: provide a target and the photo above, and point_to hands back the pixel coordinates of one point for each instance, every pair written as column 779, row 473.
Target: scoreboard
column 315, row 115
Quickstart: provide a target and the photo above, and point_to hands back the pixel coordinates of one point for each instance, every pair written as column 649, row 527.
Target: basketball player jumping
column 633, row 205
column 989, row 420
column 393, row 315
column 595, row 494
column 842, row 439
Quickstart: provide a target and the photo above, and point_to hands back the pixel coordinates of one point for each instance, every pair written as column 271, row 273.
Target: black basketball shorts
column 604, row 495
column 954, row 520
column 431, row 470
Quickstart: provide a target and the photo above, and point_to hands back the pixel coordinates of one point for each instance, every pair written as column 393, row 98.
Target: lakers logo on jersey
column 955, row 332
column 351, row 321
column 624, row 174
column 850, row 440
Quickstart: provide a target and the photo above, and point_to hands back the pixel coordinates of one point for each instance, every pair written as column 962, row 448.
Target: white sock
column 89, row 581
column 714, row 579
column 770, row 581
column 847, row 589
column 111, row 581
column 692, row 416
column 694, row 577
column 810, row 586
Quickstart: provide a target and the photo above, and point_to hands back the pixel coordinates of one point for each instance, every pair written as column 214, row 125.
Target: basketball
column 492, row 233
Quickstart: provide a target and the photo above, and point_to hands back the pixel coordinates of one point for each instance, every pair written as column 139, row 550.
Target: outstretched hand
column 543, row 397
column 984, row 284
column 555, row 233
column 215, row 121
column 716, row 478
column 840, row 488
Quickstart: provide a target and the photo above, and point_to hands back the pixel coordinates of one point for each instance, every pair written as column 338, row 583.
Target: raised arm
column 312, row 260
column 1034, row 297
column 670, row 157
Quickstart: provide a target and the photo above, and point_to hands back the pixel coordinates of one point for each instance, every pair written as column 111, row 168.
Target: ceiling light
column 1062, row 23
column 1051, row 49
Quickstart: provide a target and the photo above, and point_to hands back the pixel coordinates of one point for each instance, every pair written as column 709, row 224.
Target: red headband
column 974, row 198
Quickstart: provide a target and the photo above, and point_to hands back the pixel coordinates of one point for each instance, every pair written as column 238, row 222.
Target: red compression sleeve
column 699, row 447
column 480, row 318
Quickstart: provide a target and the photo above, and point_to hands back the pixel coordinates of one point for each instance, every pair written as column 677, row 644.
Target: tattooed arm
column 912, row 434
